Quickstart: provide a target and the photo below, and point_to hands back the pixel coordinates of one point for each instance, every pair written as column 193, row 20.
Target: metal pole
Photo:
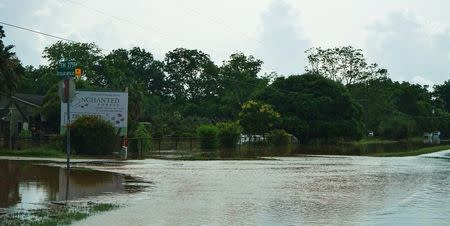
column 10, row 128
column 67, row 85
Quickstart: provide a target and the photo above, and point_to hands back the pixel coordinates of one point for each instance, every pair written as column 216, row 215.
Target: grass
column 421, row 151
column 43, row 152
column 369, row 141
column 55, row 215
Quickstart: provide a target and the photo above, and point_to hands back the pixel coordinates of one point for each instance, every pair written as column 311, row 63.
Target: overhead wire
column 37, row 32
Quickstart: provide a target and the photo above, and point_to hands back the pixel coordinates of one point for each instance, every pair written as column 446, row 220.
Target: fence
column 190, row 146
column 18, row 143
column 165, row 147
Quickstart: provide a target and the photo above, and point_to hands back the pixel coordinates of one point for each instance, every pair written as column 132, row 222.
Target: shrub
column 257, row 117
column 142, row 134
column 208, row 135
column 229, row 134
column 25, row 134
column 278, row 137
column 57, row 142
column 396, row 127
column 93, row 136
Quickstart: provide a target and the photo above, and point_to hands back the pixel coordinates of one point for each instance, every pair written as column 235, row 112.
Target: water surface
column 30, row 185
column 289, row 191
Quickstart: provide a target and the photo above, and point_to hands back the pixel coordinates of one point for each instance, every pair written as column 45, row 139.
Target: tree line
column 341, row 96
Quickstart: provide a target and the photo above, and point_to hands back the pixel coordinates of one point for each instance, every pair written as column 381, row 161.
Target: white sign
column 110, row 106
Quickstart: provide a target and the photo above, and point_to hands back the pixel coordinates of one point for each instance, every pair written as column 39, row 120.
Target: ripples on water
column 287, row 191
column 293, row 191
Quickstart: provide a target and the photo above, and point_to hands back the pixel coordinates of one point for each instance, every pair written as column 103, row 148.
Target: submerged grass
column 55, row 214
column 421, row 151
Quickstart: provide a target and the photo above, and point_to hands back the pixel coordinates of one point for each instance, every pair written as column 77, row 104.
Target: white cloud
column 277, row 31
column 410, row 48
column 422, row 81
column 281, row 47
column 43, row 12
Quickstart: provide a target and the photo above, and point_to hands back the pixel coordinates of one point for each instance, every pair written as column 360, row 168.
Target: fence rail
column 160, row 147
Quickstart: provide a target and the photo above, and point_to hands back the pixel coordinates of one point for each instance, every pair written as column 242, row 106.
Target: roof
column 31, row 99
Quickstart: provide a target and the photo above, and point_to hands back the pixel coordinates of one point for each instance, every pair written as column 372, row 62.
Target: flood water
column 27, row 185
column 289, row 191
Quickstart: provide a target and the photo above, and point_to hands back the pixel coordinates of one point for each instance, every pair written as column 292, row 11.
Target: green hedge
column 229, row 134
column 278, row 138
column 209, row 140
column 93, row 136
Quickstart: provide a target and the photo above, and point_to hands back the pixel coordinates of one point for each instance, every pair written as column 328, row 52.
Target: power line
column 46, row 34
column 37, row 32
column 120, row 19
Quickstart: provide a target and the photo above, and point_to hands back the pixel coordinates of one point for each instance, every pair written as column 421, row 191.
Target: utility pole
column 10, row 128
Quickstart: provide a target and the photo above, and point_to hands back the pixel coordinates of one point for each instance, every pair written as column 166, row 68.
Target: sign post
column 66, row 69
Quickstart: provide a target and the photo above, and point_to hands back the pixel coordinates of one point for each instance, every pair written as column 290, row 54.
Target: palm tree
column 10, row 67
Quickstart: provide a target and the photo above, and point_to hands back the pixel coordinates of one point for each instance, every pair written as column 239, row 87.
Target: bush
column 257, row 117
column 229, row 134
column 142, row 134
column 93, row 136
column 57, row 142
column 25, row 134
column 278, row 138
column 396, row 127
column 208, row 134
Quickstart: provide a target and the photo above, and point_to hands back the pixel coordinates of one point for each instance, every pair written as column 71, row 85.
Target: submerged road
column 287, row 191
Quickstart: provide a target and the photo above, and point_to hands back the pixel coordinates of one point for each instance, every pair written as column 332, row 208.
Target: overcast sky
column 411, row 38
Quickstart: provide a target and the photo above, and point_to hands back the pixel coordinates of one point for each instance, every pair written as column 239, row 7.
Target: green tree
column 10, row 67
column 229, row 134
column 257, row 118
column 51, row 109
column 343, row 64
column 191, row 74
column 239, row 83
column 87, row 56
column 397, row 127
column 314, row 107
column 37, row 80
column 442, row 93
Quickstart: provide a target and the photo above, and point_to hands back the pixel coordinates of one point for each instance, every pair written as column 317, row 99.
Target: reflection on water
column 24, row 185
column 290, row 191
column 360, row 149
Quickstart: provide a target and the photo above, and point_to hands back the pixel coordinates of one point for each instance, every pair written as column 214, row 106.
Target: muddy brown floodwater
column 306, row 190
column 30, row 185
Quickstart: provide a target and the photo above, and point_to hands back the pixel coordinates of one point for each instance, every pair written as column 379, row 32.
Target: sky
column 410, row 38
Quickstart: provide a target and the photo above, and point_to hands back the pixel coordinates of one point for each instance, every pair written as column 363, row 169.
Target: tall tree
column 87, row 56
column 343, row 64
column 314, row 107
column 191, row 74
column 239, row 82
column 442, row 93
column 10, row 67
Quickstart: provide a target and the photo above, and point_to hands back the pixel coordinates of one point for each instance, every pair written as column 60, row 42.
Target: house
column 19, row 112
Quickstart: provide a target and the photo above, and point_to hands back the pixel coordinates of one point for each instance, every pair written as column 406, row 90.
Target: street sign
column 66, row 68
column 64, row 94
column 78, row 72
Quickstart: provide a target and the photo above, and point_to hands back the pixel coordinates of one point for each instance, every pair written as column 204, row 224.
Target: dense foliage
column 93, row 136
column 341, row 97
column 315, row 108
column 208, row 134
column 257, row 117
column 10, row 67
column 229, row 134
